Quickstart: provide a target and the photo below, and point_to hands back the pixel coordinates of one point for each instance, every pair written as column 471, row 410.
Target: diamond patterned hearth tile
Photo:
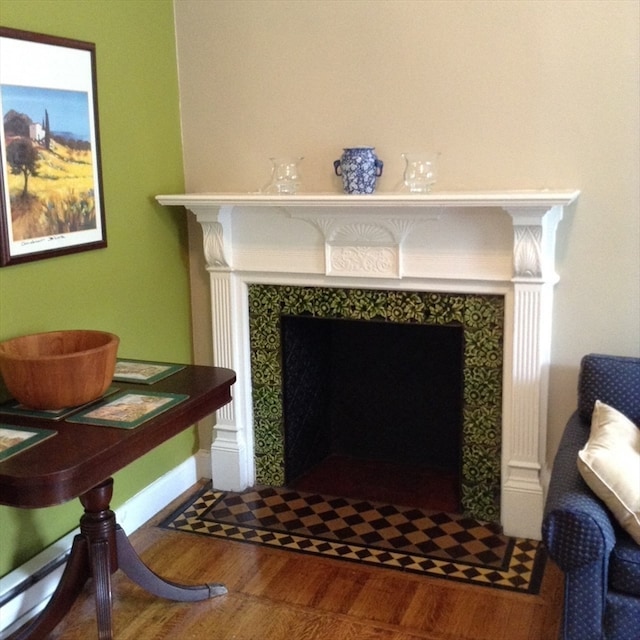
column 432, row 543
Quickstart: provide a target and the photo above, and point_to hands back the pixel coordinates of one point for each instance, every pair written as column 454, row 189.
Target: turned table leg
column 101, row 548
column 93, row 554
column 98, row 525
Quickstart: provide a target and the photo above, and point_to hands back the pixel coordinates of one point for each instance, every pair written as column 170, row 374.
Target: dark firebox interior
column 373, row 408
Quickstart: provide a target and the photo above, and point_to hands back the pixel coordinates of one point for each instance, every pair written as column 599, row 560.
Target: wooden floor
column 279, row 595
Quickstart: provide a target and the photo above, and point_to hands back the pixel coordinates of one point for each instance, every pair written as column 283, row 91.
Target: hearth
column 449, row 244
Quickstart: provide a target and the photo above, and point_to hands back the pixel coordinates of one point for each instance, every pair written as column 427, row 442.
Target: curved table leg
column 98, row 525
column 93, row 554
column 133, row 567
column 74, row 577
column 101, row 548
column 99, row 552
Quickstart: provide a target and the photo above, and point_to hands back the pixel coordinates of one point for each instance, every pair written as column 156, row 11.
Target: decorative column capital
column 216, row 235
column 534, row 238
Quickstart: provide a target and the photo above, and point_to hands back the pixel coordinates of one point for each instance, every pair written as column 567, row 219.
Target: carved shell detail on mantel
column 359, row 233
column 335, row 229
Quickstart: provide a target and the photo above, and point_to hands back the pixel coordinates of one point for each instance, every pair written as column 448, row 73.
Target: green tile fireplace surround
column 482, row 320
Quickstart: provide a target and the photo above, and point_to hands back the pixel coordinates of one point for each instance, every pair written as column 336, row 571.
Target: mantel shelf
column 534, row 216
column 463, row 199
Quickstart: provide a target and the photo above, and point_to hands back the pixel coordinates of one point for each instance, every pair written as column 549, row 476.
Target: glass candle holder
column 285, row 176
column 420, row 172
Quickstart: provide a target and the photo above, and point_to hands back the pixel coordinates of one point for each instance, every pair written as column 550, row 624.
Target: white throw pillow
column 610, row 465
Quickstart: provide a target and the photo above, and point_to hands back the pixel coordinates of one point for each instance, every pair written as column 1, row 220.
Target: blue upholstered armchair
column 601, row 562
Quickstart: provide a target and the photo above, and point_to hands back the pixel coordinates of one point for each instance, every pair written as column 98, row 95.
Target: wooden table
column 79, row 462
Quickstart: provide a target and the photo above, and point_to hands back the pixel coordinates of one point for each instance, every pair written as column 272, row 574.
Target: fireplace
column 460, row 257
column 466, row 356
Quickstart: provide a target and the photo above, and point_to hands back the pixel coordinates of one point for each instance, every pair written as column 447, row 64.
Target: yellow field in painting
column 60, row 199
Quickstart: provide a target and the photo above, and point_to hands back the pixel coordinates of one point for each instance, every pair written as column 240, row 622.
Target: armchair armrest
column 577, row 527
column 579, row 536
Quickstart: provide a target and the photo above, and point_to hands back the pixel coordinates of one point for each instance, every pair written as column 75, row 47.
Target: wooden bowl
column 58, row 369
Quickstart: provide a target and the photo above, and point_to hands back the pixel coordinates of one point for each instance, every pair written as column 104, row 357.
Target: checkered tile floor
column 432, row 543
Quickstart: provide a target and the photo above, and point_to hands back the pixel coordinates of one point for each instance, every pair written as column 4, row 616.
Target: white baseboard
column 25, row 591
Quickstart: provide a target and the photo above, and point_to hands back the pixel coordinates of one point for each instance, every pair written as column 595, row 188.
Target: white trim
column 131, row 515
column 521, row 198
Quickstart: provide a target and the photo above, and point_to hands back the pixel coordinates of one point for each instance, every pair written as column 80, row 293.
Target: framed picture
column 50, row 184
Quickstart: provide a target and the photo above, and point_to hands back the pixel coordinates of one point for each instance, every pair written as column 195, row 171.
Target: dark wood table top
column 81, row 456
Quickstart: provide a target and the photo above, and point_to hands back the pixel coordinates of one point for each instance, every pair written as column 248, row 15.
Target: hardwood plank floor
column 279, row 595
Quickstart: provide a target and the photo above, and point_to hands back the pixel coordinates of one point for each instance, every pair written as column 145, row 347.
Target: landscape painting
column 51, row 180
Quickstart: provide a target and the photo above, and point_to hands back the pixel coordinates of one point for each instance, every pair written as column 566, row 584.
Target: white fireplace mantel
column 493, row 242
column 381, row 222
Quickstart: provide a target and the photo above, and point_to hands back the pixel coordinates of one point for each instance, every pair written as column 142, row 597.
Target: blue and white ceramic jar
column 359, row 168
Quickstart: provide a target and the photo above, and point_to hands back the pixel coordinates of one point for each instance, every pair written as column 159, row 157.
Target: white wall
column 514, row 94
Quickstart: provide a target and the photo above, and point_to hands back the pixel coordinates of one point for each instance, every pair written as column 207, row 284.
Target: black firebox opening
column 371, row 391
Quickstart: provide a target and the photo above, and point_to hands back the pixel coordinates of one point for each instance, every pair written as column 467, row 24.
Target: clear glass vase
column 285, row 176
column 420, row 172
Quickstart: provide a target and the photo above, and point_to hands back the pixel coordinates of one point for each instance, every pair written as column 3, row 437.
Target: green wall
column 138, row 286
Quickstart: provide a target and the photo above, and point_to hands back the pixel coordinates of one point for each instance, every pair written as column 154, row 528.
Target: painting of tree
column 22, row 158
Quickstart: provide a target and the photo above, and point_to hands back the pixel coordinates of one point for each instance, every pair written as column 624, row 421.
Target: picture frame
column 51, row 195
